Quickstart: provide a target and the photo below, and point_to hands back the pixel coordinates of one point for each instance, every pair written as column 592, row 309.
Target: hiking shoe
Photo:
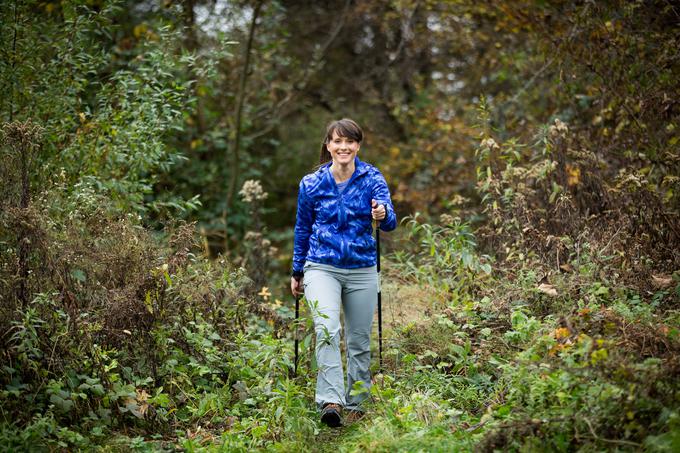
column 354, row 416
column 330, row 415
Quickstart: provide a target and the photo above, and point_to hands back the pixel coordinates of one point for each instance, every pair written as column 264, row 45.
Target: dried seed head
column 252, row 236
column 252, row 191
column 489, row 143
column 558, row 129
column 446, row 219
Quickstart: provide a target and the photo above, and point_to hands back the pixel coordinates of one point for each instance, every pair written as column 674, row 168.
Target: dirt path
column 402, row 302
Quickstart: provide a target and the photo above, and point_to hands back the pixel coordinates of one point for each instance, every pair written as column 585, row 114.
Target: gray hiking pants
column 327, row 289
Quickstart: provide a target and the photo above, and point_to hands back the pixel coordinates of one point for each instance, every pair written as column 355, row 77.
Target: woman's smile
column 342, row 149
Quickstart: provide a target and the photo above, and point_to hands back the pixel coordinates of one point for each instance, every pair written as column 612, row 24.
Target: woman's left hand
column 377, row 210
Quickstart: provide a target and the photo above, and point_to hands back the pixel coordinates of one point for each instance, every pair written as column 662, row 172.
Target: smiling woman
column 341, row 145
column 335, row 262
column 343, row 150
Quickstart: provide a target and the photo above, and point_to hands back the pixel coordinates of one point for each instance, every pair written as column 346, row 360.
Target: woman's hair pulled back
column 344, row 128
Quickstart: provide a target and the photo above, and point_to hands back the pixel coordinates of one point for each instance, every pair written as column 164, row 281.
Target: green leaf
column 64, row 405
column 503, row 411
column 79, row 275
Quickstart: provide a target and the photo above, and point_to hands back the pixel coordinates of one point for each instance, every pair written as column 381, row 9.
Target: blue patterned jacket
column 336, row 228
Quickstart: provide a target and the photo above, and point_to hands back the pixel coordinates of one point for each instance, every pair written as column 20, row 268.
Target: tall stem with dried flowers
column 22, row 140
column 258, row 247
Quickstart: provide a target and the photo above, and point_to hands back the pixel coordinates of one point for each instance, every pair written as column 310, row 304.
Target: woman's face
column 343, row 149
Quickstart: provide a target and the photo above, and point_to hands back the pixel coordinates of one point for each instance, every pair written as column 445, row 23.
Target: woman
column 334, row 261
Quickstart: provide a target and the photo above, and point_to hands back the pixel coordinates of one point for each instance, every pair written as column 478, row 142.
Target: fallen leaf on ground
column 662, row 281
column 547, row 289
column 566, row 267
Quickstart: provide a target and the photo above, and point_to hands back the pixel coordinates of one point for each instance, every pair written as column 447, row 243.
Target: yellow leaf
column 264, row 293
column 561, row 332
column 139, row 30
column 573, row 175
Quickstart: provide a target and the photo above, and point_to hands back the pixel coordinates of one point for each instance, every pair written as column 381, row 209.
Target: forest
column 151, row 155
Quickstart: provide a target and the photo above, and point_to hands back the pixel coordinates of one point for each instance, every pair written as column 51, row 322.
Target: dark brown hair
column 344, row 128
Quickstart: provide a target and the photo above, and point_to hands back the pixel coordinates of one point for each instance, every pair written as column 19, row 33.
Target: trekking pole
column 377, row 242
column 295, row 332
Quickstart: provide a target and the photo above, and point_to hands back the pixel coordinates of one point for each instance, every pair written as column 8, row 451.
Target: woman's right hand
column 296, row 286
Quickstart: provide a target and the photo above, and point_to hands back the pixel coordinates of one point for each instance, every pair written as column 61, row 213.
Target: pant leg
column 359, row 300
column 323, row 294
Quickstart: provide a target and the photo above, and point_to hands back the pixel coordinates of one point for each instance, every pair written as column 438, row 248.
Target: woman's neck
column 342, row 173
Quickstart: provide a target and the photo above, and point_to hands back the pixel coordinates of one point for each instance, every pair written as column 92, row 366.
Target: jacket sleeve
column 381, row 193
column 303, row 229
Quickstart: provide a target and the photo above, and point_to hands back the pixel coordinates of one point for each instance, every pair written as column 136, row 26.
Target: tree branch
column 277, row 112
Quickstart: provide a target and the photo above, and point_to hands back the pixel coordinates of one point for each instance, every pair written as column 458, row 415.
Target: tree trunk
column 236, row 143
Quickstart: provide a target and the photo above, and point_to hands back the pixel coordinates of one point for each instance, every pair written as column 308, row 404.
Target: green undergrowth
column 507, row 362
column 167, row 350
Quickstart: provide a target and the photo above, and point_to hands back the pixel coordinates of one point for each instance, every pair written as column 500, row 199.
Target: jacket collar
column 359, row 167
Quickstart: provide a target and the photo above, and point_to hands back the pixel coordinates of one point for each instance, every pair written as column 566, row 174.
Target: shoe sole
column 331, row 419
